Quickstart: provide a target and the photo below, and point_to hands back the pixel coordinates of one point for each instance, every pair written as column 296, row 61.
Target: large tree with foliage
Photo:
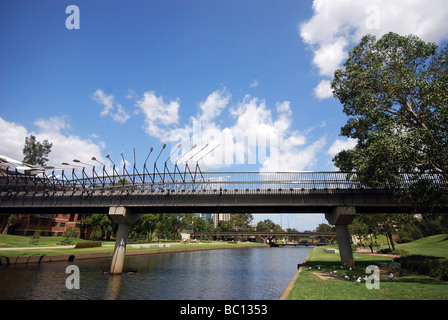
column 101, row 225
column 268, row 225
column 241, row 221
column 35, row 152
column 173, row 223
column 395, row 92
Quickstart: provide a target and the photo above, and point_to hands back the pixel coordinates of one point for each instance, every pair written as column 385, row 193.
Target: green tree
column 34, row 239
column 241, row 221
column 148, row 223
column 395, row 92
column 323, row 227
column 69, row 235
column 171, row 223
column 224, row 226
column 35, row 152
column 268, row 225
column 199, row 224
column 101, row 224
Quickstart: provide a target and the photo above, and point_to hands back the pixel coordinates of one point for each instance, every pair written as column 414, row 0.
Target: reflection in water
column 247, row 274
column 113, row 287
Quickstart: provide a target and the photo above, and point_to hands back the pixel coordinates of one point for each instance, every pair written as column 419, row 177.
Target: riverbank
column 28, row 255
column 323, row 278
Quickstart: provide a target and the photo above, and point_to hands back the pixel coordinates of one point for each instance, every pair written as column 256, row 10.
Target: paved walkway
column 367, row 251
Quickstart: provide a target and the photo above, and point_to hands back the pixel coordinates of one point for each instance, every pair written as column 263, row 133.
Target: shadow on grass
column 444, row 239
column 422, row 280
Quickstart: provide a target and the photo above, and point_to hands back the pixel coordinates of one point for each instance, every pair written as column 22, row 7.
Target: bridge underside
column 218, row 201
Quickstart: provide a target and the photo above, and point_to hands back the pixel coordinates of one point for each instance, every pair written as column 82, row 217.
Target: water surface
column 244, row 274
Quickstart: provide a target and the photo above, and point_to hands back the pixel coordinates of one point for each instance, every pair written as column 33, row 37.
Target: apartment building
column 49, row 225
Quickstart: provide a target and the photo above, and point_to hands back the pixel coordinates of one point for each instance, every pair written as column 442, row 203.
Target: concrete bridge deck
column 207, row 201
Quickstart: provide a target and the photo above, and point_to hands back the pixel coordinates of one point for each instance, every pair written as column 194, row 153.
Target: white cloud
column 323, row 90
column 256, row 135
column 340, row 144
column 329, row 56
column 254, row 84
column 12, row 139
column 65, row 147
column 338, row 24
column 213, row 105
column 112, row 108
column 158, row 114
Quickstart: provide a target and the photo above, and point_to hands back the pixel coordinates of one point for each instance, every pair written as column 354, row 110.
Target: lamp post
column 79, row 161
column 155, row 163
column 113, row 169
column 185, row 153
column 144, row 165
column 95, row 159
column 175, row 164
column 104, row 170
column 165, row 168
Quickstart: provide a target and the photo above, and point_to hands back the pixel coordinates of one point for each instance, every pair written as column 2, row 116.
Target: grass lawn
column 431, row 246
column 12, row 241
column 316, row 282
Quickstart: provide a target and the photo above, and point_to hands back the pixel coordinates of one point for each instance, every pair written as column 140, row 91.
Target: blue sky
column 140, row 73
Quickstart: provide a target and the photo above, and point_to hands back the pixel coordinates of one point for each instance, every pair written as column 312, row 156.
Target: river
column 224, row 274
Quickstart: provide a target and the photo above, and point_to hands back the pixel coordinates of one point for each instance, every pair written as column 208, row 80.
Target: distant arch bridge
column 265, row 236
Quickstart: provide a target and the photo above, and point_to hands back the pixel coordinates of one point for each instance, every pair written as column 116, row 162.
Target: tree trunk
column 5, row 230
column 387, row 227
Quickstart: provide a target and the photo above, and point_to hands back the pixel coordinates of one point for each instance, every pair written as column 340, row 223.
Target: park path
column 375, row 253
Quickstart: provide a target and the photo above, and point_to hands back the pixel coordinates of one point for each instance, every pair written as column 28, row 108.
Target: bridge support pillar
column 123, row 217
column 341, row 217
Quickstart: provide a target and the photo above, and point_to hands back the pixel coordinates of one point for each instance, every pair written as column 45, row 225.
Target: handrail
column 14, row 181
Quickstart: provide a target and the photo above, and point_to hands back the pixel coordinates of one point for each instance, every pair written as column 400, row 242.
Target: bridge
column 125, row 196
column 265, row 236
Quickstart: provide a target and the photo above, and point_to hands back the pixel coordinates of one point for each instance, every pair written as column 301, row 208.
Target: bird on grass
column 391, row 277
column 358, row 280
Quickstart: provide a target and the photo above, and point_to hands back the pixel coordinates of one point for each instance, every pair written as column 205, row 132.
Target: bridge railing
column 193, row 180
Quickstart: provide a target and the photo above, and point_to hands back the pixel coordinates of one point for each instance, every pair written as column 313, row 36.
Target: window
column 62, row 224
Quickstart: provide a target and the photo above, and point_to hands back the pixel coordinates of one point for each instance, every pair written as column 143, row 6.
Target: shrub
column 405, row 239
column 436, row 267
column 399, row 252
column 87, row 244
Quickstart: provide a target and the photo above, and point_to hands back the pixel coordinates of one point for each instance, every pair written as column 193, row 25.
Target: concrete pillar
column 123, row 217
column 341, row 217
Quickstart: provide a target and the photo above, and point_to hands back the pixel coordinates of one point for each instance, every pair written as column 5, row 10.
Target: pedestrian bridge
column 196, row 192
column 124, row 196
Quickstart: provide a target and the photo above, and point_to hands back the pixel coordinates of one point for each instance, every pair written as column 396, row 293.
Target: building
column 220, row 217
column 52, row 225
column 206, row 216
